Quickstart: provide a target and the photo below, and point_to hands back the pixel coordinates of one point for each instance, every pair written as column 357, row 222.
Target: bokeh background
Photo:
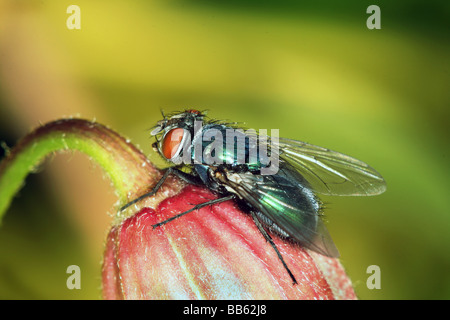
column 309, row 68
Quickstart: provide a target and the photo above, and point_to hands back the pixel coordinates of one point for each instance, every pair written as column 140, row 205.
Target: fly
column 283, row 201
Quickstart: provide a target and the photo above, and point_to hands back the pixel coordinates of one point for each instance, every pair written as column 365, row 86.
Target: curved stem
column 126, row 166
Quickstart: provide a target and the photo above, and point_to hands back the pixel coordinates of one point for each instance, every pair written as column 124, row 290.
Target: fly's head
column 173, row 133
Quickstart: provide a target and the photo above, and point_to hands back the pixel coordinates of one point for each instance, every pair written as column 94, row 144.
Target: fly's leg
column 198, row 206
column 182, row 175
column 269, row 239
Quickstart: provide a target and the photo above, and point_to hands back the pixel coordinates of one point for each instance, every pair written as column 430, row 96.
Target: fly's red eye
column 172, row 142
column 193, row 111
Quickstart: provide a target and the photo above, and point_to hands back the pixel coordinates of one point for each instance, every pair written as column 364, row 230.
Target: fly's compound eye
column 172, row 143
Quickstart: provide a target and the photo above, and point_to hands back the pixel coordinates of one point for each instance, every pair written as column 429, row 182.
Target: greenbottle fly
column 277, row 182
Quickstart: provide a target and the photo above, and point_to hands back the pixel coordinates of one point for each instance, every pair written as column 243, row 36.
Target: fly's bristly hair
column 174, row 116
column 176, row 113
column 227, row 123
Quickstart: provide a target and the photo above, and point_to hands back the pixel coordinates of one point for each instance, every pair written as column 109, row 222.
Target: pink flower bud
column 216, row 252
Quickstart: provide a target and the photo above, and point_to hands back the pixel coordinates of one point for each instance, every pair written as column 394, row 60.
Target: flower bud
column 216, row 252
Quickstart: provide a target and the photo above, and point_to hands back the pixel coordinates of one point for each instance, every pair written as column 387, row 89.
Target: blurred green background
column 309, row 68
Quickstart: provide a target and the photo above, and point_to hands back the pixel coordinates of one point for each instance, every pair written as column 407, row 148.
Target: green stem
column 126, row 166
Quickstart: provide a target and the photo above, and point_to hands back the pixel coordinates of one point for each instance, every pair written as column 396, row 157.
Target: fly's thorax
column 221, row 178
column 184, row 139
column 222, row 145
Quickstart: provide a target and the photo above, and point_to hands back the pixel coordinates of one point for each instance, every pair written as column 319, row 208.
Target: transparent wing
column 329, row 172
column 287, row 208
